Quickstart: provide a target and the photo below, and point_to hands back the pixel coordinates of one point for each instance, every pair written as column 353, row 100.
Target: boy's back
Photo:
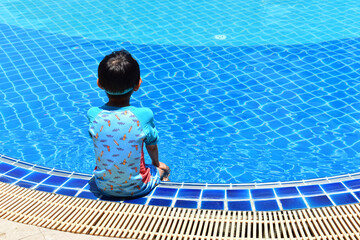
column 118, row 135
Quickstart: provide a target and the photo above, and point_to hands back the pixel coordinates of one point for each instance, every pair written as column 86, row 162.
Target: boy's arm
column 91, row 115
column 154, row 154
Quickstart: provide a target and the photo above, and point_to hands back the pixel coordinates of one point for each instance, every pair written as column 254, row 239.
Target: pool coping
column 270, row 196
column 118, row 219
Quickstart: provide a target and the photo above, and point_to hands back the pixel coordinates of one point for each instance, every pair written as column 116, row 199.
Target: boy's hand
column 164, row 167
column 166, row 171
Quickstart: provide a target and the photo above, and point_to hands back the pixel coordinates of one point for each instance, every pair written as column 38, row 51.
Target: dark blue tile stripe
column 183, row 196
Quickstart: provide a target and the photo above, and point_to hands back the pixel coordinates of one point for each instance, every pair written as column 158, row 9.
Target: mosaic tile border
column 322, row 192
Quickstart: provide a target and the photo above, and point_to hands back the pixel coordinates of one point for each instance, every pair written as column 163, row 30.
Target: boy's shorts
column 148, row 187
column 154, row 180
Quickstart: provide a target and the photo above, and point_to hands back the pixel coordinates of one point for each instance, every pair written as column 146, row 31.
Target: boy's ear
column 138, row 86
column 99, row 84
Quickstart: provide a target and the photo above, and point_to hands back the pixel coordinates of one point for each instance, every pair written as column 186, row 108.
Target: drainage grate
column 114, row 219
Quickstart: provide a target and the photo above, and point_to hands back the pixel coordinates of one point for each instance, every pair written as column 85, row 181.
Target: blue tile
column 89, row 195
column 40, row 168
column 6, row 179
column 310, row 190
column 91, row 186
column 343, row 198
column 334, row 187
column 293, row 203
column 10, row 158
column 76, row 183
column 357, row 194
column 4, row 167
column 318, row 201
column 353, row 184
column 194, row 184
column 239, row 205
column 262, row 193
column 186, row 204
column 160, row 202
column 26, row 164
column 170, row 184
column 67, row 192
column 238, row 194
column 45, row 188
column 55, row 180
column 266, row 205
column 213, row 205
column 80, row 175
column 25, row 184
column 18, row 173
column 141, row 201
column 287, row 192
column 213, row 194
column 36, row 177
column 189, row 193
column 61, row 172
column 165, row 192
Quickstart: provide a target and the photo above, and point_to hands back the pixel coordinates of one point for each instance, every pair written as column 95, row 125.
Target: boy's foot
column 166, row 178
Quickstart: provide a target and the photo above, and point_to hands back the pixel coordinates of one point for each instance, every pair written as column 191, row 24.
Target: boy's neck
column 118, row 102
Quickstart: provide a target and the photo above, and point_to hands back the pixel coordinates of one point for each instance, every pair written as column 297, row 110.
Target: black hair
column 118, row 71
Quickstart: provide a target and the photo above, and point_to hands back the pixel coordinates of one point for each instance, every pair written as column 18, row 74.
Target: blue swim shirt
column 118, row 135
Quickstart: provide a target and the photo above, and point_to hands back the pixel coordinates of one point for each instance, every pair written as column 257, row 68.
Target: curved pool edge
column 134, row 221
column 276, row 196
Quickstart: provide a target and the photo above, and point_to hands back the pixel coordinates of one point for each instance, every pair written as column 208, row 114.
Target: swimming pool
column 241, row 91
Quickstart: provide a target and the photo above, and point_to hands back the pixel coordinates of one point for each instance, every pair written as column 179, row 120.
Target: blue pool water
column 241, row 91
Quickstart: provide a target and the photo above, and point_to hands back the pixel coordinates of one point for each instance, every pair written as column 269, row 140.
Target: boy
column 119, row 131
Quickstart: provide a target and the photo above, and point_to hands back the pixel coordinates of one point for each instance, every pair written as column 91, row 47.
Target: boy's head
column 119, row 73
